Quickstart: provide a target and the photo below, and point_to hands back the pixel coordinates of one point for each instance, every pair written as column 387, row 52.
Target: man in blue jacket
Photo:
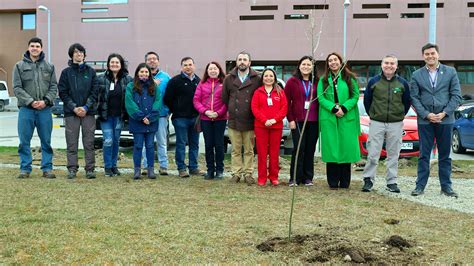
column 386, row 100
column 79, row 89
column 161, row 79
column 435, row 94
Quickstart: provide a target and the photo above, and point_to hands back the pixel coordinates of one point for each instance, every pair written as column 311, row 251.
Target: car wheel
column 2, row 106
column 457, row 146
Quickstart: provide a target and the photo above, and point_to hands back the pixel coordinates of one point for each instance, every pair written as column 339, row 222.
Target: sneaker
column 417, row 192
column 71, row 174
column 115, row 171
column 197, row 172
column 49, row 174
column 90, row 174
column 275, row 183
column 163, row 171
column 235, row 179
column 219, row 175
column 249, row 179
column 308, row 183
column 209, row 176
column 108, row 172
column 23, row 175
column 367, row 185
column 183, row 173
column 393, row 188
column 449, row 192
column 291, row 183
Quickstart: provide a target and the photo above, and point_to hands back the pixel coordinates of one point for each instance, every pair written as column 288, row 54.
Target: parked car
column 463, row 130
column 4, row 97
column 126, row 138
column 58, row 107
column 410, row 144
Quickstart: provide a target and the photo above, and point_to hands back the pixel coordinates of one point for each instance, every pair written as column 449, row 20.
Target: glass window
column 2, row 87
column 28, row 21
column 466, row 74
column 94, row 10
column 89, row 20
column 103, row 2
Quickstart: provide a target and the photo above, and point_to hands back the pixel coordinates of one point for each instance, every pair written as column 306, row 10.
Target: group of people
column 252, row 105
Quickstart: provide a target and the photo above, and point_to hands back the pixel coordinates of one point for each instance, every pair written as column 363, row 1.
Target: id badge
column 269, row 101
column 112, row 86
column 306, row 105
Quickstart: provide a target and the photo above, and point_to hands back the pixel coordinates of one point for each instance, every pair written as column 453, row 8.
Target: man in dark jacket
column 179, row 99
column 237, row 92
column 35, row 86
column 78, row 89
column 386, row 100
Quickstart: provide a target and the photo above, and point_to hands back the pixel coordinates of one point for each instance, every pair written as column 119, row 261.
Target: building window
column 104, row 2
column 470, row 4
column 424, row 5
column 412, row 15
column 375, row 6
column 297, row 16
column 256, row 8
column 94, row 10
column 370, row 16
column 28, row 21
column 257, row 17
column 305, row 7
column 471, row 14
column 466, row 74
column 91, row 20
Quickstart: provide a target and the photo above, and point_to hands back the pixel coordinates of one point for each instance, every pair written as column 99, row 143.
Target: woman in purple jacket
column 213, row 114
column 300, row 91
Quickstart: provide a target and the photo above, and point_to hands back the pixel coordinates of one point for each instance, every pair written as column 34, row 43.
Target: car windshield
column 362, row 112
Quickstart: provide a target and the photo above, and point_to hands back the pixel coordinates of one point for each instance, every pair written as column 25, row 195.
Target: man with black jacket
column 78, row 89
column 35, row 86
column 179, row 99
column 387, row 101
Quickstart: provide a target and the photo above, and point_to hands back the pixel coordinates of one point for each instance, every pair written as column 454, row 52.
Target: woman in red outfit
column 269, row 106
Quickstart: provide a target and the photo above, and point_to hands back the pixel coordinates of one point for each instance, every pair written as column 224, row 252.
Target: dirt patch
column 332, row 248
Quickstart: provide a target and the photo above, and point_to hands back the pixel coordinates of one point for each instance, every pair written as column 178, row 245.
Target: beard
column 243, row 67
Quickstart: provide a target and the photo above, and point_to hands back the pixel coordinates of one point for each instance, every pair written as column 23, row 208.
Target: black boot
column 151, row 173
column 136, row 173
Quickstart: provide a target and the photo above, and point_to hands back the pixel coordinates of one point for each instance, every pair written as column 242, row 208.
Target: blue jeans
column 111, row 129
column 138, row 139
column 161, row 141
column 428, row 134
column 214, row 141
column 185, row 133
column 28, row 119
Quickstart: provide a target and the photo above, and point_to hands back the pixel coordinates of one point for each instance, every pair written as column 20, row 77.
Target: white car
column 4, row 97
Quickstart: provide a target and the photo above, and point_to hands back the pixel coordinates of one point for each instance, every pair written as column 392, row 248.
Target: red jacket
column 263, row 112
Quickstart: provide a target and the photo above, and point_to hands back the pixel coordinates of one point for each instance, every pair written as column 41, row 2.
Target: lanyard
column 433, row 81
column 307, row 89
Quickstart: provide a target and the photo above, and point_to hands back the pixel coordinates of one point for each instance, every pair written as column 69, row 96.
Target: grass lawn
column 173, row 220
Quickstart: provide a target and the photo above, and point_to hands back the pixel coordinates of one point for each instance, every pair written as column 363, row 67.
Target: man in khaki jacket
column 237, row 93
column 35, row 86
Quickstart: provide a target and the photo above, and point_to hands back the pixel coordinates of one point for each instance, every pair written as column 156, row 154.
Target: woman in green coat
column 338, row 94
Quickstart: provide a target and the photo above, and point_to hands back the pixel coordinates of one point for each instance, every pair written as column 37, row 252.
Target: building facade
column 276, row 32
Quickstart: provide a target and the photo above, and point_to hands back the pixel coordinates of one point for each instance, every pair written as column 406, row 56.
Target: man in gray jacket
column 35, row 86
column 435, row 93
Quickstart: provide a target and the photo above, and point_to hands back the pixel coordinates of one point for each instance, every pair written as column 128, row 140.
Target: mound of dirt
column 331, row 248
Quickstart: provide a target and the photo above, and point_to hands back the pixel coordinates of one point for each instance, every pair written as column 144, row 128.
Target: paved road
column 9, row 135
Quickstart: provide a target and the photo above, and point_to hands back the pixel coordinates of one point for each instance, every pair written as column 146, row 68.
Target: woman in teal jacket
column 338, row 94
column 143, row 103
